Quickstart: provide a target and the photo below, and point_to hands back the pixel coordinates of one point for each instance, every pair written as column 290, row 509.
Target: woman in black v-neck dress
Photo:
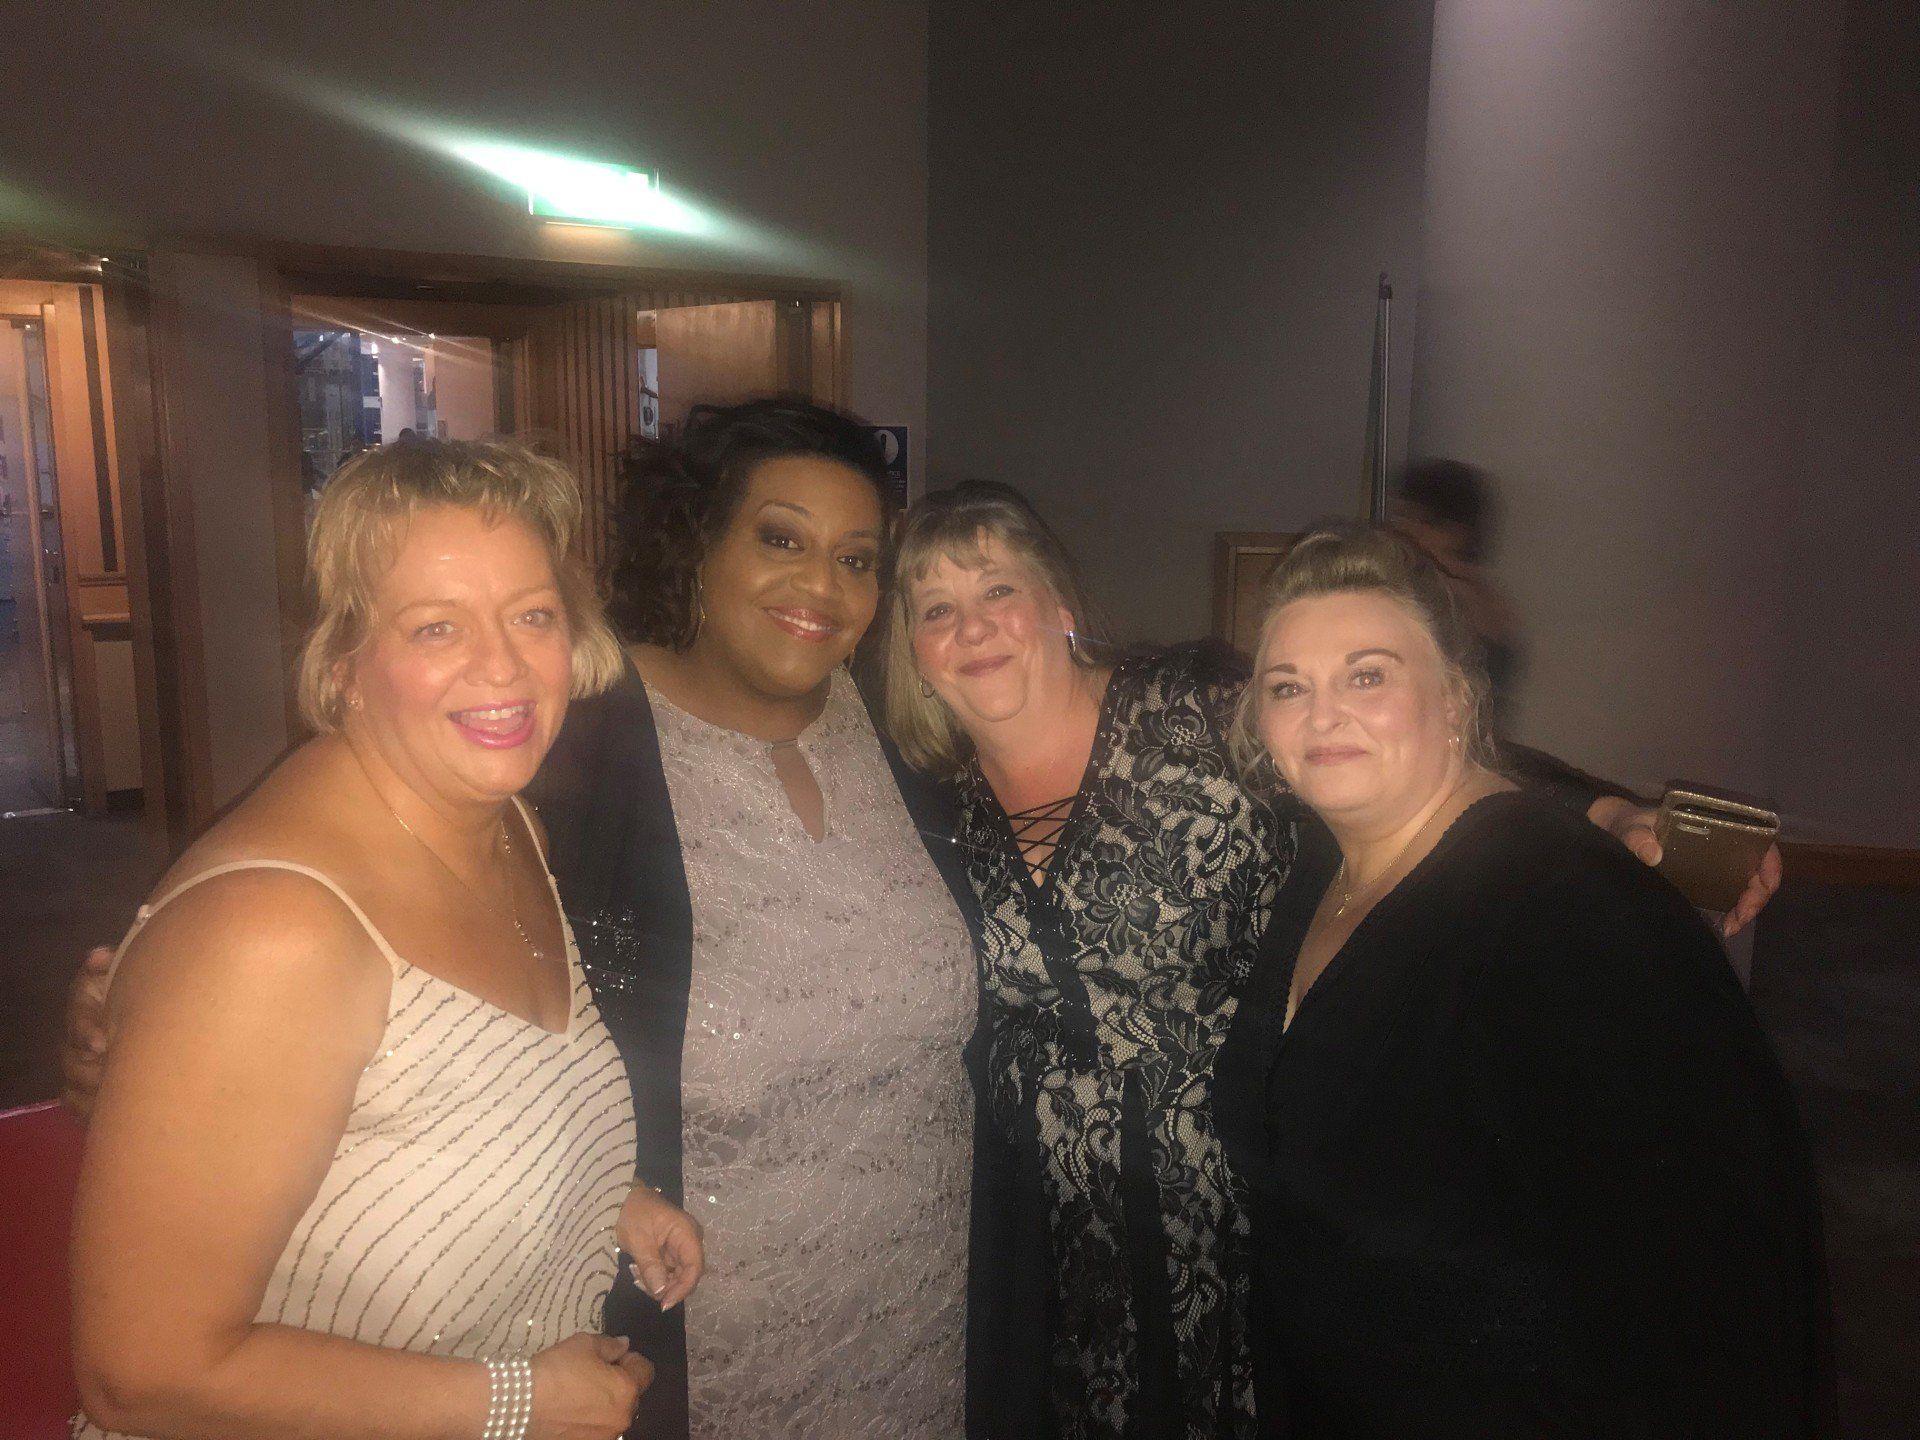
column 1518, row 1158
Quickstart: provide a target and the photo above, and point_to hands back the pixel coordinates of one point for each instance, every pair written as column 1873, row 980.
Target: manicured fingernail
column 653, row 1290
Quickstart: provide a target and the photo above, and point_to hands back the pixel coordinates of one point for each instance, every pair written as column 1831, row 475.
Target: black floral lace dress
column 1108, row 988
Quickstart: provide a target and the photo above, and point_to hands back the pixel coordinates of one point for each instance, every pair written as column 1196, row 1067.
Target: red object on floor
column 39, row 1163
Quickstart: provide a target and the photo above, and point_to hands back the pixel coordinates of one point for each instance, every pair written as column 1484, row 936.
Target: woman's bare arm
column 239, row 1025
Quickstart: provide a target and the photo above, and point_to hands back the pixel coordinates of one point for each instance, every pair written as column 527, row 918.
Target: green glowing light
column 586, row 192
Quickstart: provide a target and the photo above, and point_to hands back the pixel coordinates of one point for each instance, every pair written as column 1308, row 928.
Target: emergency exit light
column 586, row 192
column 591, row 194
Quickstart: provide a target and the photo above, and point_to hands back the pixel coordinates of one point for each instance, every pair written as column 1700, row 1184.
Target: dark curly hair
column 677, row 498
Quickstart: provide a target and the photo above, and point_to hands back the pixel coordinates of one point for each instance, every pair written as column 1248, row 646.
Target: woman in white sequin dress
column 774, row 948
column 324, row 1182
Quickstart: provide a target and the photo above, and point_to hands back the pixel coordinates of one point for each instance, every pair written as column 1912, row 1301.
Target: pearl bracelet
column 509, row 1399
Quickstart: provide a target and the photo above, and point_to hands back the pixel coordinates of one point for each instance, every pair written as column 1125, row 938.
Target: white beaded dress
column 470, row 1206
column 827, row 1114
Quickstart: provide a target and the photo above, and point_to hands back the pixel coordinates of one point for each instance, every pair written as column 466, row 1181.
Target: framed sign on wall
column 1242, row 561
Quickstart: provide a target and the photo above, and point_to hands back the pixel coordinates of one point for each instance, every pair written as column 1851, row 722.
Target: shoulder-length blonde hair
column 1338, row 559
column 955, row 524
column 364, row 511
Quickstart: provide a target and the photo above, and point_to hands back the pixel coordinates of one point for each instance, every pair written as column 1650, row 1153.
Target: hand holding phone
column 1712, row 841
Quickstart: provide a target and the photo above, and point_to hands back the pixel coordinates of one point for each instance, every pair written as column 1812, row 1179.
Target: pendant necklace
column 512, row 914
column 1347, row 895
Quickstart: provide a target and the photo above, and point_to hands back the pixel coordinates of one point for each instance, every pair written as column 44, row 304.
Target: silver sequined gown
column 827, row 1114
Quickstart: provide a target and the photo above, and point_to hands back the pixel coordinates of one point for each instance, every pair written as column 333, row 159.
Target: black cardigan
column 615, row 854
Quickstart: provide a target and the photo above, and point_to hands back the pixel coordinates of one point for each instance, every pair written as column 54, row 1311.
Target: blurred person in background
column 1451, row 510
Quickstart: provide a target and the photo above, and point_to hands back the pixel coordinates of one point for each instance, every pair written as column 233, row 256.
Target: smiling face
column 463, row 680
column 791, row 586
column 1356, row 708
column 989, row 634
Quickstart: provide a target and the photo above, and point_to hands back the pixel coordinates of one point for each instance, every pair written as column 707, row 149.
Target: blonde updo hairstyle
column 1342, row 558
column 955, row 524
column 361, row 519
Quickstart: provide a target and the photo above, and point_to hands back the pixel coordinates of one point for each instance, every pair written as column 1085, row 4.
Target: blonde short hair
column 364, row 511
column 1338, row 559
column 954, row 524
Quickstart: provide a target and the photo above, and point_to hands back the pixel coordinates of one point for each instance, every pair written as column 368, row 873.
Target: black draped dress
column 1523, row 1163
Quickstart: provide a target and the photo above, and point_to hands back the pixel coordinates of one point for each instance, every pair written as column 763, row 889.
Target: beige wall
column 209, row 122
column 1847, row 718
column 460, row 370
column 1655, row 287
column 1623, row 203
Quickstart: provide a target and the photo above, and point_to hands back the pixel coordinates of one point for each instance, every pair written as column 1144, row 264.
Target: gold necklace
column 1340, row 879
column 511, row 915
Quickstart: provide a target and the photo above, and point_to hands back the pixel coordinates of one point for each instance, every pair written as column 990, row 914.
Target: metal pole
column 1383, row 348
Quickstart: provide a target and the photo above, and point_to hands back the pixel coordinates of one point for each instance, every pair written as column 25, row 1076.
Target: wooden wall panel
column 573, row 378
column 575, row 374
column 717, row 355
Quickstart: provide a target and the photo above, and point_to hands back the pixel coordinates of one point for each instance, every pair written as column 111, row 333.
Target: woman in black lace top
column 1124, row 876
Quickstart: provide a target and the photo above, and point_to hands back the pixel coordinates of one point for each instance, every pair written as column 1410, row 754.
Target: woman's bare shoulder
column 254, row 944
column 237, row 898
column 299, row 812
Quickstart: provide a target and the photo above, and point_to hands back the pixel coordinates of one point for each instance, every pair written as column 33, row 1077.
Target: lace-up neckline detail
column 1036, row 833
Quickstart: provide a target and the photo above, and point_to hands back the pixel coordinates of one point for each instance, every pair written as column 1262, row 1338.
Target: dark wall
column 1847, row 734
column 1154, row 236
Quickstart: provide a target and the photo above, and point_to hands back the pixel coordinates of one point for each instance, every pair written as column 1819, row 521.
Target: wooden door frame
column 157, row 559
column 92, row 398
column 64, row 634
column 163, row 593
column 316, row 270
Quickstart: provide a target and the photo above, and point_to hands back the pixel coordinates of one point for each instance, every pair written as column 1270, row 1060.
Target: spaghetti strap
column 533, row 834
column 147, row 912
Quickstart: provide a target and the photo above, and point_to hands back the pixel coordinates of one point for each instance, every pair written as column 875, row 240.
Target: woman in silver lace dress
column 773, row 947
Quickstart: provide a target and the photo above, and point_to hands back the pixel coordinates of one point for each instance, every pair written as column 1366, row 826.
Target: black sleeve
column 1677, row 1179
column 616, row 857
column 1553, row 779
